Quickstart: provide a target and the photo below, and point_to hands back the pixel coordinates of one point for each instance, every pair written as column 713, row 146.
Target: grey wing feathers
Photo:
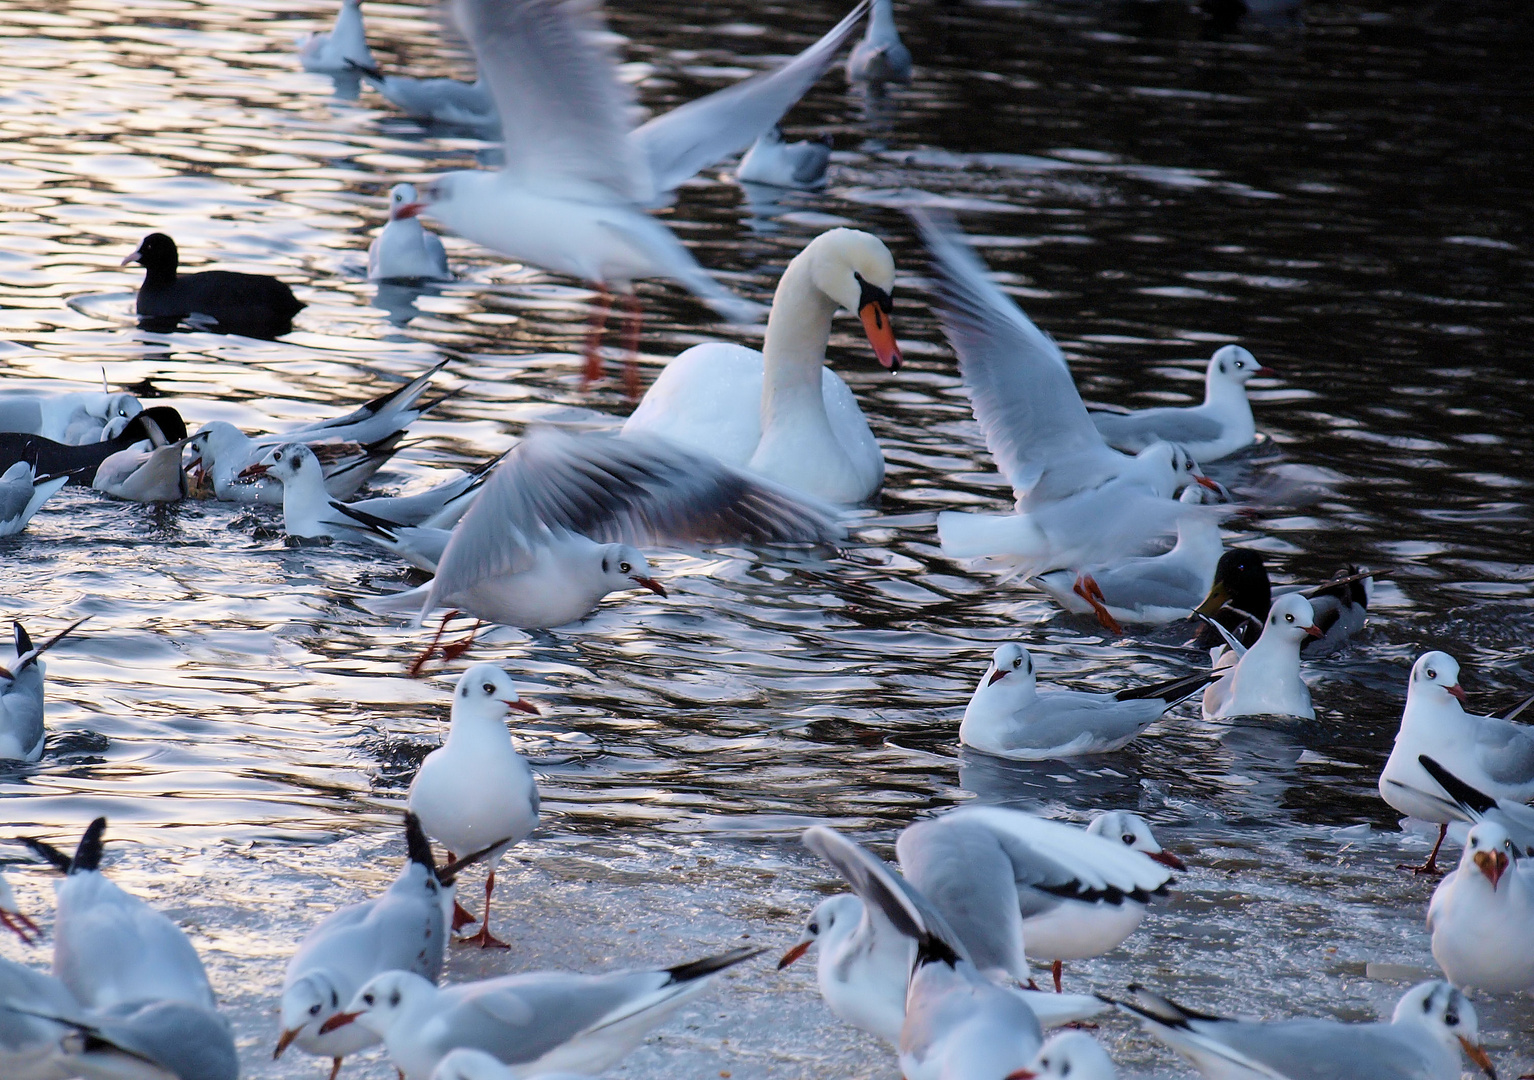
column 190, row 1042
column 1017, row 378
column 1137, row 430
column 564, row 114
column 696, row 135
column 966, row 876
column 1506, row 751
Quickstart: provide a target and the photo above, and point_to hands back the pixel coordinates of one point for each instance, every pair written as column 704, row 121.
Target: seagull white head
column 382, row 1002
column 1435, row 679
column 467, row 1064
column 857, row 272
column 1134, row 832
column 1292, row 618
column 401, row 196
column 623, row 567
column 1071, row 1055
column 1489, row 850
column 309, row 1002
column 832, row 920
column 1167, row 468
column 1233, row 364
column 485, row 691
column 1010, row 662
column 215, row 438
column 1450, row 1017
column 288, row 462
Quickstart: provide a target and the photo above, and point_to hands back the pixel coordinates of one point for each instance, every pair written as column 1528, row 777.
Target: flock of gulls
column 1114, row 518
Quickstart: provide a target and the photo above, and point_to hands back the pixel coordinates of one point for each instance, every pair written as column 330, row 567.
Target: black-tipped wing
column 1172, row 691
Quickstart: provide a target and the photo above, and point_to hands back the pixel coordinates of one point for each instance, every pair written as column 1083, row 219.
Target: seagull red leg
column 1088, row 590
column 461, row 915
column 1431, row 866
column 458, row 648
column 425, row 657
column 1058, row 969
column 486, row 939
column 594, row 330
column 633, row 320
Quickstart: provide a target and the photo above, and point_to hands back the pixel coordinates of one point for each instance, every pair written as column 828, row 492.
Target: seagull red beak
column 649, row 583
column 339, row 1020
column 253, row 472
column 1493, row 864
column 1210, row 484
column 793, row 954
column 1478, row 1055
column 1457, row 692
column 996, row 676
column 521, row 706
column 1021, row 1074
column 409, row 210
column 1265, row 371
column 1314, row 631
column 1166, row 858
column 284, row 1041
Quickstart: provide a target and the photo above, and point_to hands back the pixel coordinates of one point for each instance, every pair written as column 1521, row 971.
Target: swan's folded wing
column 564, row 113
column 1024, row 397
column 696, row 135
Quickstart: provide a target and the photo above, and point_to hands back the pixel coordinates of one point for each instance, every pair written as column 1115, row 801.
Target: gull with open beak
column 1432, row 1024
column 1265, row 679
column 1492, row 754
column 782, row 413
column 1481, row 914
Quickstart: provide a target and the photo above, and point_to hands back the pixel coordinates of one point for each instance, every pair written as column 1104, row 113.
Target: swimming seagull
column 881, row 57
column 74, row 419
column 109, row 947
column 1265, row 679
column 1015, row 886
column 958, row 1023
column 149, row 471
column 864, row 963
column 1008, row 717
column 21, row 695
column 405, row 928
column 544, row 1021
column 446, row 101
column 404, row 250
column 570, row 197
column 1078, row 501
column 1432, row 1023
column 775, row 161
column 1481, row 912
column 475, row 789
column 1492, row 754
column 341, row 49
column 22, row 494
column 553, row 529
column 1210, row 431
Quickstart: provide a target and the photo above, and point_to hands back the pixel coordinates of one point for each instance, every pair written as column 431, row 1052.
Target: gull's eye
column 1128, row 838
column 1451, row 1018
column 277, row 456
column 367, row 999
column 1289, row 618
column 813, row 928
column 1432, row 674
column 489, row 688
column 624, row 567
column 1474, row 842
column 335, row 1002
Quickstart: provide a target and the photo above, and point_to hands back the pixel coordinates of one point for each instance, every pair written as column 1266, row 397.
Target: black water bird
column 251, row 304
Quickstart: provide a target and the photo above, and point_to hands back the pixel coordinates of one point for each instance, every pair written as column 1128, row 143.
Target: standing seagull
column 1492, row 754
column 476, row 789
column 109, row 947
column 21, row 696
column 404, row 929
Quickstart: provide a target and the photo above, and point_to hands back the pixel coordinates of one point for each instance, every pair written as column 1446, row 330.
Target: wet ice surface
column 1346, row 197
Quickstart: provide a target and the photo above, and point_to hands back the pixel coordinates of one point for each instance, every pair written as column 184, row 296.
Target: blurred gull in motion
column 880, row 57
column 150, row 1040
column 1009, row 717
column 29, row 1040
column 1463, row 802
column 149, row 471
column 22, row 731
column 22, row 494
column 1070, row 1055
column 341, row 49
column 1265, row 679
column 545, row 1021
column 1432, row 1023
column 1015, row 886
column 446, row 101
column 1491, row 754
column 476, row 789
column 782, row 413
column 775, row 161
column 405, row 928
column 1213, row 430
column 404, row 250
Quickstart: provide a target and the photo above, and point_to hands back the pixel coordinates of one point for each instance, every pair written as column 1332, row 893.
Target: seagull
column 1216, row 429
column 1481, row 912
column 881, row 57
column 21, row 695
column 1016, row 886
column 82, row 462
column 570, row 197
column 404, row 250
column 340, row 50
column 1432, row 1023
column 74, row 419
column 353, row 446
column 1468, row 803
column 29, row 1042
column 309, row 512
column 13, row 918
column 1070, row 1055
column 1492, row 754
column 958, row 1023
column 1145, row 588
column 404, row 928
column 152, row 1040
column 774, row 161
column 22, row 494
column 551, row 533
column 781, row 413
column 420, row 546
column 544, row 1021
column 1265, row 679
column 1240, row 596
column 109, row 947
column 478, row 1065
column 446, row 101
column 1008, row 717
column 1078, row 501
column 149, row 471
column 476, row 788
column 864, row 963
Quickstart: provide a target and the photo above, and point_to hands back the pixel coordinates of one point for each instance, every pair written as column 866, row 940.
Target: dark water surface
column 1346, row 195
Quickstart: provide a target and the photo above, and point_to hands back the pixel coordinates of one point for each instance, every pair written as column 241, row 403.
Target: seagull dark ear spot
column 394, row 998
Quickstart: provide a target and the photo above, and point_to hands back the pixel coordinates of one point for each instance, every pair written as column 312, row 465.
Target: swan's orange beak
column 881, row 335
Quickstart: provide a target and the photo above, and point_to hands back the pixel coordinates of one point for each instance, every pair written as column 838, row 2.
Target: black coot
column 249, row 304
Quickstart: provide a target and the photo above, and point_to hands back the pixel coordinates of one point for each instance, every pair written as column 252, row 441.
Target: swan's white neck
column 798, row 331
